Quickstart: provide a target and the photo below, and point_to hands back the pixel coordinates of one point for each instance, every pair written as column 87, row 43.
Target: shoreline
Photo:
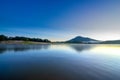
column 22, row 42
column 15, row 42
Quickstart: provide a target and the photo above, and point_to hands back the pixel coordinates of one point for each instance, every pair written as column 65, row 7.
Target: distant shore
column 22, row 42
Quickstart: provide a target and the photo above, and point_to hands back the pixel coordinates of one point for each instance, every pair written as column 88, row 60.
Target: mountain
column 111, row 42
column 80, row 39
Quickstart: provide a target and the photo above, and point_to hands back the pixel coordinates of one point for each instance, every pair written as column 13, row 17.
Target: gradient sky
column 61, row 19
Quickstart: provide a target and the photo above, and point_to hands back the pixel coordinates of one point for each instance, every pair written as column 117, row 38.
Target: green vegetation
column 26, row 39
column 3, row 38
column 111, row 42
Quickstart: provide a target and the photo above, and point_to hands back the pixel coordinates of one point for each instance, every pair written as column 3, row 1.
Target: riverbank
column 22, row 42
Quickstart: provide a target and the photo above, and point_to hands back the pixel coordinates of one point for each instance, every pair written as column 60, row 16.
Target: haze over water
column 60, row 62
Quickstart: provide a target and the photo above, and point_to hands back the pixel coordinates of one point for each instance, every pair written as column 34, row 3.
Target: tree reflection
column 17, row 48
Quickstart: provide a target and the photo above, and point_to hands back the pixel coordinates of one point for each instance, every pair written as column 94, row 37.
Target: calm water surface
column 60, row 62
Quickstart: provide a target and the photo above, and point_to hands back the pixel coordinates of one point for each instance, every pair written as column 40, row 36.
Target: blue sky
column 61, row 19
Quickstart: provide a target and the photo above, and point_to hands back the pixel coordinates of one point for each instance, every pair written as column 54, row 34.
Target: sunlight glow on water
column 110, row 50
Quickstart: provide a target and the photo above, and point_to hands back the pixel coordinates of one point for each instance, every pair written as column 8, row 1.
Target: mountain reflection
column 81, row 47
column 16, row 48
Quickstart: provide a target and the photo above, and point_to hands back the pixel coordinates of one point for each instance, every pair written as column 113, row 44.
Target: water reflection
column 60, row 62
column 17, row 48
column 81, row 47
column 75, row 47
column 110, row 49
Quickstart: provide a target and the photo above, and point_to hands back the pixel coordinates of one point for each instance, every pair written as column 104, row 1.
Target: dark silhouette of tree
column 18, row 38
column 3, row 37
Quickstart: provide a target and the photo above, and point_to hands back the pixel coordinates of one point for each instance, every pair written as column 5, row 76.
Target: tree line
column 19, row 38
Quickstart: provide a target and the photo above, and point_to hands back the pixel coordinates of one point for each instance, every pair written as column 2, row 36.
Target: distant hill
column 80, row 39
column 111, row 42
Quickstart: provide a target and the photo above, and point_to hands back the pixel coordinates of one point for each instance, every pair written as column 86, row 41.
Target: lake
column 60, row 62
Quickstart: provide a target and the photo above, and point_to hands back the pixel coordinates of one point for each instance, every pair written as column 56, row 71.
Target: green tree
column 3, row 37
